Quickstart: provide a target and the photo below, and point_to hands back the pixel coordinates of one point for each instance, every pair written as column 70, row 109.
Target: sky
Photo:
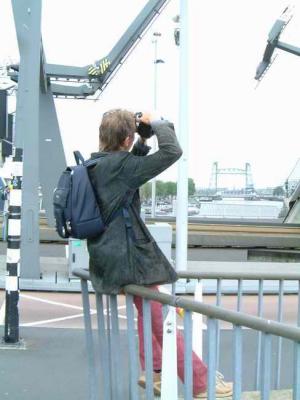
column 231, row 120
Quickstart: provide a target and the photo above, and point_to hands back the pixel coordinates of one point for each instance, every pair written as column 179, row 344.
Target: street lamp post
column 157, row 61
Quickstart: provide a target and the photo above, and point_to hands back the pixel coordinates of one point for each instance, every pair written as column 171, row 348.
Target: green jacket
column 126, row 254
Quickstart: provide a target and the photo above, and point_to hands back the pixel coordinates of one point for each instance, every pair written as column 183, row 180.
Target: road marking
column 49, row 321
column 54, row 303
column 119, row 308
column 2, row 313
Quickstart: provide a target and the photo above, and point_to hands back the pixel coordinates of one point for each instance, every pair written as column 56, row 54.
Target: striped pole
column 11, row 330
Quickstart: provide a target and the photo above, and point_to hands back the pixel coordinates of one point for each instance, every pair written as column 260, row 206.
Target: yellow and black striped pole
column 11, row 329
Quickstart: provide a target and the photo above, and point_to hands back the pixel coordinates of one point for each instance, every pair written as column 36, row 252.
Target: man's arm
column 139, row 170
column 140, row 147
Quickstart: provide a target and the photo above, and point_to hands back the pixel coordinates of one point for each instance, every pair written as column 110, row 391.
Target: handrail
column 219, row 274
column 82, row 273
column 250, row 275
column 233, row 317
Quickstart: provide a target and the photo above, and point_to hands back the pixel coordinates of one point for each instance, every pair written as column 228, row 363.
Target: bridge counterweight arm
column 106, row 67
column 289, row 48
column 273, row 43
column 96, row 77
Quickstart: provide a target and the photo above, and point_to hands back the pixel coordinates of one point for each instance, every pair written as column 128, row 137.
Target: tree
column 191, row 187
column 171, row 188
column 145, row 191
column 160, row 189
column 278, row 191
column 165, row 189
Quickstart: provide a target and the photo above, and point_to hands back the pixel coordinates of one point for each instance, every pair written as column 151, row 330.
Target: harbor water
column 226, row 208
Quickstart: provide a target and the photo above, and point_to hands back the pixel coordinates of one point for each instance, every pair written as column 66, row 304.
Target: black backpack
column 76, row 210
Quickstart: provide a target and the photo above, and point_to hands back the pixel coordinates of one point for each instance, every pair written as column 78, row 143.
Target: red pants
column 199, row 368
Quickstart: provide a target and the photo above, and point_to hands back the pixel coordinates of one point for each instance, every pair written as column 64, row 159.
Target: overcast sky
column 231, row 122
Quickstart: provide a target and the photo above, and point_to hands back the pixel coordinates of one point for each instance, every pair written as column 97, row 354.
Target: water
column 238, row 208
column 230, row 208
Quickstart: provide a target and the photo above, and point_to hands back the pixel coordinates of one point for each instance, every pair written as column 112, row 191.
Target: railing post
column 298, row 314
column 240, row 295
column 279, row 344
column 89, row 341
column 259, row 335
column 197, row 322
column 117, row 375
column 212, row 339
column 296, row 381
column 108, row 328
column 188, row 361
column 133, row 359
column 104, row 348
column 219, row 294
column 169, row 357
column 266, row 367
column 148, row 348
column 237, row 365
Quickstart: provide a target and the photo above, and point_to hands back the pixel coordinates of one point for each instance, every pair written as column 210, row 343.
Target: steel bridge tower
column 246, row 172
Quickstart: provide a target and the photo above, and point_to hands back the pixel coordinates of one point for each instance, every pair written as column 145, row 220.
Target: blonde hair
column 115, row 126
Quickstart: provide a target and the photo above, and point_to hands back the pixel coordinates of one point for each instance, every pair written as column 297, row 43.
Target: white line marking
column 119, row 308
column 54, row 303
column 2, row 313
column 49, row 321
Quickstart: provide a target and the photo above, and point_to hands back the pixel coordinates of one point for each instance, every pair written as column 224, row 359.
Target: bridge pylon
column 246, row 172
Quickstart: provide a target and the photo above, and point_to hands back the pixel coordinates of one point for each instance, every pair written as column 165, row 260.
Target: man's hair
column 115, row 126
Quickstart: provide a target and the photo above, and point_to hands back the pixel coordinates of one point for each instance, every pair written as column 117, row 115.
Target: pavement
column 51, row 363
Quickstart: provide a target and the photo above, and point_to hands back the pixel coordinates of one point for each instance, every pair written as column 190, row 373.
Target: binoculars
column 144, row 130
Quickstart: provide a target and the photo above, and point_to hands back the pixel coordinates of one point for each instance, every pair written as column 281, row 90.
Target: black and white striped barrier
column 11, row 329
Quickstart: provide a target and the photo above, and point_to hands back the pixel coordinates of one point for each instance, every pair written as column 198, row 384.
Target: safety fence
column 114, row 382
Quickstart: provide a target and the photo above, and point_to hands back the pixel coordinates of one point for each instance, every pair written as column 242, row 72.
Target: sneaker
column 156, row 383
column 223, row 389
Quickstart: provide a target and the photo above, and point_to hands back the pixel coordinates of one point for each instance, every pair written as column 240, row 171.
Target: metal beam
column 289, row 48
column 53, row 160
column 27, row 15
column 66, row 71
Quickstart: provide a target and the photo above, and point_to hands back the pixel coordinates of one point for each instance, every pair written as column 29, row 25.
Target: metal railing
column 113, row 367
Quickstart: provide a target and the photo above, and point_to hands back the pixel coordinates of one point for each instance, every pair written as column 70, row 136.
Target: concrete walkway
column 53, row 365
column 275, row 395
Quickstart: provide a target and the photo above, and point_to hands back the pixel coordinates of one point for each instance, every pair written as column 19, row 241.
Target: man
column 126, row 253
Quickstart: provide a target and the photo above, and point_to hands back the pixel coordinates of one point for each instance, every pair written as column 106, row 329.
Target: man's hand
column 142, row 140
column 146, row 117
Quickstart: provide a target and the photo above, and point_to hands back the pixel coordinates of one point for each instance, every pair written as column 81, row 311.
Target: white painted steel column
column 198, row 323
column 169, row 389
column 154, row 144
column 182, row 185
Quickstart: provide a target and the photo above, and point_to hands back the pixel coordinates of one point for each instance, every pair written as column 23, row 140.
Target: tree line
column 165, row 189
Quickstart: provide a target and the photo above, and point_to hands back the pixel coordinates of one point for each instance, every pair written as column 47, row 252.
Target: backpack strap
column 128, row 224
column 78, row 157
column 123, row 210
